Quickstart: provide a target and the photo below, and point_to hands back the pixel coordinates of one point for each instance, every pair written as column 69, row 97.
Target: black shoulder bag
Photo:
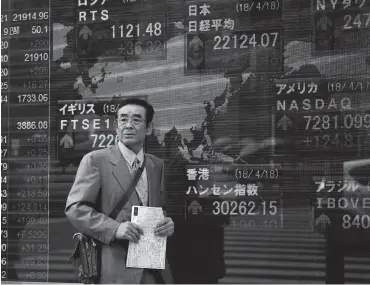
column 86, row 254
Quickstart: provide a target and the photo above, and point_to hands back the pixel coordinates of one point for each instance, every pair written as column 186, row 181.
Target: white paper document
column 150, row 251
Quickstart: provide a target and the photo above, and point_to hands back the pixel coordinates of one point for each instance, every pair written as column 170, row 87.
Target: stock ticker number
column 37, row 138
column 245, row 41
column 39, row 70
column 244, row 208
column 4, row 72
column 327, row 122
column 146, row 47
column 103, row 140
column 358, row 21
column 345, row 140
column 33, row 98
column 32, row 234
column 4, row 85
column 4, row 44
column 30, row 16
column 358, row 221
column 39, row 43
column 4, row 58
column 131, row 31
column 33, row 261
column 37, row 30
column 252, row 224
column 36, row 84
column 29, row 247
column 32, row 125
column 38, row 193
column 32, row 220
column 37, row 56
column 4, row 166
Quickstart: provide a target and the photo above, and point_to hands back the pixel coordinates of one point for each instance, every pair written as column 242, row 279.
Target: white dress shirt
column 142, row 185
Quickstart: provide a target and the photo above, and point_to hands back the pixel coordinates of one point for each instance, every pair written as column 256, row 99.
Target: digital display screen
column 262, row 121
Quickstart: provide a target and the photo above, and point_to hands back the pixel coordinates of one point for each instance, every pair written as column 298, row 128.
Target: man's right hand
column 129, row 231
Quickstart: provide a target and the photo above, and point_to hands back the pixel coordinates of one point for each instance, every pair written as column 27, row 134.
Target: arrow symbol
column 85, row 32
column 323, row 220
column 324, row 23
column 66, row 141
column 195, row 207
column 284, row 122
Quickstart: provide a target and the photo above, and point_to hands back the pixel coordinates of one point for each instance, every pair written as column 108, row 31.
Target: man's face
column 131, row 125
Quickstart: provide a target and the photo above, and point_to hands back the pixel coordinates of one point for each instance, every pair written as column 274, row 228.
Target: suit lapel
column 151, row 177
column 122, row 173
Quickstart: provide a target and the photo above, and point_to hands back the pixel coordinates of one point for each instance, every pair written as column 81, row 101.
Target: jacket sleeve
column 163, row 193
column 81, row 199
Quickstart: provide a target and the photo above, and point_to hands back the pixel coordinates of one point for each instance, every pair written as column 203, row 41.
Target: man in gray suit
column 102, row 179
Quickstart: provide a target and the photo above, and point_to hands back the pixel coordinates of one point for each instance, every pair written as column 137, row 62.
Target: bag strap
column 117, row 209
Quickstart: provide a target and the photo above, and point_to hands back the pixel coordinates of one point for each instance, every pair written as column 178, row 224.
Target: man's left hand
column 165, row 228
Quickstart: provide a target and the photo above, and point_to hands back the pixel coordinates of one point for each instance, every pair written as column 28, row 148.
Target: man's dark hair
column 140, row 102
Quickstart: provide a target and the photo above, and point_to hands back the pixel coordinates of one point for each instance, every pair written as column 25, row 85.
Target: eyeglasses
column 134, row 121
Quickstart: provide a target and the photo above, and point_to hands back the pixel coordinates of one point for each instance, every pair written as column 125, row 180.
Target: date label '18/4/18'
column 244, row 208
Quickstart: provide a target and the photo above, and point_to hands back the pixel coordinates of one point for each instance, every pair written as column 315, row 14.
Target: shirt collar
column 129, row 155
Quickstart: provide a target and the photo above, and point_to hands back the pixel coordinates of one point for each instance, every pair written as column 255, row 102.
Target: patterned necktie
column 141, row 189
column 135, row 165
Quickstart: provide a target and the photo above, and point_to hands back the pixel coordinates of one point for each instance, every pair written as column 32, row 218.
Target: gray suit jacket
column 101, row 180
